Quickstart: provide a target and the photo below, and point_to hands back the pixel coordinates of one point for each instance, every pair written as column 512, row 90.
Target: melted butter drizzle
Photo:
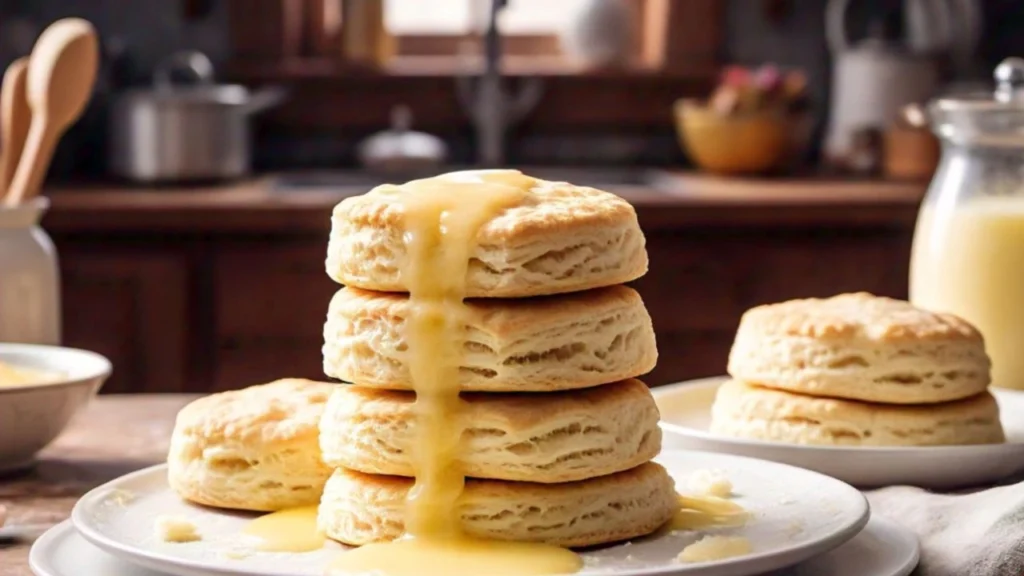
column 291, row 530
column 461, row 556
column 442, row 218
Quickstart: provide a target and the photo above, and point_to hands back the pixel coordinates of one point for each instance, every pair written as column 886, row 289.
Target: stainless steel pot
column 180, row 132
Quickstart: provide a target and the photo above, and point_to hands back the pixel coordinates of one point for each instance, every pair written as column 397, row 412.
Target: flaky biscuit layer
column 535, row 344
column 743, row 410
column 542, row 437
column 361, row 508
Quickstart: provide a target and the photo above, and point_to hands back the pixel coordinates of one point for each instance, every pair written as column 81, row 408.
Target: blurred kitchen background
column 772, row 148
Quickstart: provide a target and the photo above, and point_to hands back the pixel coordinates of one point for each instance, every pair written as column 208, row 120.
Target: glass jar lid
column 985, row 118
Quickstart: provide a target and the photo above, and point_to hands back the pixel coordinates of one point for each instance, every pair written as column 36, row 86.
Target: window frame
column 292, row 42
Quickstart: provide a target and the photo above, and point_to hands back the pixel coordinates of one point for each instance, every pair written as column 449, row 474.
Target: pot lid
column 201, row 87
column 400, row 142
column 985, row 118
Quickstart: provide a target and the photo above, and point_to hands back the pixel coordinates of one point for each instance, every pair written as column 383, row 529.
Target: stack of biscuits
column 557, row 432
column 857, row 370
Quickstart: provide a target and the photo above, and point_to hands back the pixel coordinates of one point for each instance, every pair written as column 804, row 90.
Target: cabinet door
column 270, row 303
column 130, row 307
column 702, row 280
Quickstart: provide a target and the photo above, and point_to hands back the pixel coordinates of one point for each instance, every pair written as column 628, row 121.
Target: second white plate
column 797, row 515
column 686, row 414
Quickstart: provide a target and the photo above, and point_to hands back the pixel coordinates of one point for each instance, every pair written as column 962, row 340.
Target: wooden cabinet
column 701, row 280
column 231, row 311
column 270, row 302
column 227, row 288
column 133, row 308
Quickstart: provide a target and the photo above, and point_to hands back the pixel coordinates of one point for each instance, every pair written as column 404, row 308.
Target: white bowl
column 32, row 416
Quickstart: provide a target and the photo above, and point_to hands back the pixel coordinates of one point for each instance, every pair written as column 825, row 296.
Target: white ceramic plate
column 798, row 514
column 882, row 548
column 686, row 414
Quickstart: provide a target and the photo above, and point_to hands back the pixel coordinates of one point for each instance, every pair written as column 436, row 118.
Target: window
column 441, row 37
column 299, row 42
column 455, row 17
column 441, row 27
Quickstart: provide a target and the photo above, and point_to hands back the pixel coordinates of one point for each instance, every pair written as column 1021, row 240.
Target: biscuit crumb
column 236, row 554
column 120, row 497
column 711, row 548
column 176, row 529
column 794, row 529
column 710, row 483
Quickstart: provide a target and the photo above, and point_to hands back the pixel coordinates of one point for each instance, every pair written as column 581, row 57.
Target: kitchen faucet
column 492, row 109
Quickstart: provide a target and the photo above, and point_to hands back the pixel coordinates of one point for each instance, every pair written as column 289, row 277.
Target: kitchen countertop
column 684, row 199
column 114, row 435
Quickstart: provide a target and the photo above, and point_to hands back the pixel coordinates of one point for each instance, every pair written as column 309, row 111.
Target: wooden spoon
column 61, row 73
column 15, row 116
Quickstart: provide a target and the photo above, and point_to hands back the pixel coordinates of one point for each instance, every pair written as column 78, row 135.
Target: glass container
column 968, row 251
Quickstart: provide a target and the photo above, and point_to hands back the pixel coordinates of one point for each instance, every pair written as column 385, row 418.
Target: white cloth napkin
column 968, row 534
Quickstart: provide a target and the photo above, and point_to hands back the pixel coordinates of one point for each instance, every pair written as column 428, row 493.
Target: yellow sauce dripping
column 292, row 530
column 11, row 376
column 460, row 556
column 442, row 218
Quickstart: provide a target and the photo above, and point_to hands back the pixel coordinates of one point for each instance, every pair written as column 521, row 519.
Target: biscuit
column 534, row 344
column 860, row 347
column 745, row 411
column 547, row 438
column 251, row 449
column 361, row 508
column 561, row 238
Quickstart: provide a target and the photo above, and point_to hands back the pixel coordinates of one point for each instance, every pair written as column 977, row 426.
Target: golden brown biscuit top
column 857, row 315
column 545, row 206
column 280, row 411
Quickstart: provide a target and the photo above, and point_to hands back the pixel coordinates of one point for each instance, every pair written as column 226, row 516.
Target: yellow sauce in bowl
column 13, row 376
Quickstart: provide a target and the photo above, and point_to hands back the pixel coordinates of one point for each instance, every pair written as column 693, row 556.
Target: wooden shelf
column 688, row 200
column 298, row 69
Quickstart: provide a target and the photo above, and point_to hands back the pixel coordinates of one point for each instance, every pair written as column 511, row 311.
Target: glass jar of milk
column 968, row 255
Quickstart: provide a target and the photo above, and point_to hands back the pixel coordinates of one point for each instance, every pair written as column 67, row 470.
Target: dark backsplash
column 136, row 35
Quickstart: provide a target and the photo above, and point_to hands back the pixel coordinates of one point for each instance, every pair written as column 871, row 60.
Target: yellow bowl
column 735, row 144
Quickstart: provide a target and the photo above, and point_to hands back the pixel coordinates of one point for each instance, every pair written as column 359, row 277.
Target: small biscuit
column 552, row 437
column 745, row 411
column 251, row 449
column 560, row 238
column 860, row 347
column 361, row 508
column 536, row 344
